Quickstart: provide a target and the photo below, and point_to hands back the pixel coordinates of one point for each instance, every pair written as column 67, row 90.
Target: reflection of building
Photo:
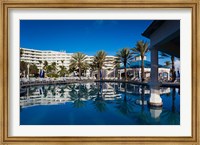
column 33, row 56
column 137, row 89
column 108, row 92
column 58, row 94
column 134, row 69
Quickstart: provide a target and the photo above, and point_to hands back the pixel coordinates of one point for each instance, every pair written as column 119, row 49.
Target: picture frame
column 193, row 5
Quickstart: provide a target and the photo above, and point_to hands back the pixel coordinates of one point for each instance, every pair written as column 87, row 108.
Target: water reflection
column 106, row 99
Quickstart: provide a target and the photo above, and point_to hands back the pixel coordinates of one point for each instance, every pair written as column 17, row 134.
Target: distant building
column 33, row 56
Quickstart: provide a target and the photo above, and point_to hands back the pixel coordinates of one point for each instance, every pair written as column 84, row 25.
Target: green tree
column 33, row 69
column 164, row 55
column 93, row 68
column 124, row 56
column 23, row 67
column 53, row 65
column 99, row 60
column 167, row 63
column 62, row 72
column 21, row 52
column 45, row 65
column 78, row 62
column 116, row 66
column 141, row 48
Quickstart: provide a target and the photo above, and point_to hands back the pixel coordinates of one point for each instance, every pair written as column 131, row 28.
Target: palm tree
column 99, row 60
column 21, row 52
column 23, row 67
column 78, row 62
column 124, row 56
column 116, row 66
column 62, row 61
column 141, row 48
column 167, row 63
column 53, row 65
column 62, row 71
column 45, row 65
column 92, row 67
column 34, row 69
column 172, row 64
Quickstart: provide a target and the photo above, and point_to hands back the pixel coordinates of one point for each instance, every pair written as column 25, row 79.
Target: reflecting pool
column 97, row 104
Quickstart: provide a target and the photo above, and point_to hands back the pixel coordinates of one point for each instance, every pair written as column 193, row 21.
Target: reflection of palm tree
column 76, row 96
column 62, row 92
column 171, row 116
column 143, row 97
column 126, row 105
column 142, row 116
column 173, row 99
column 79, row 103
column 99, row 101
column 53, row 91
column 93, row 90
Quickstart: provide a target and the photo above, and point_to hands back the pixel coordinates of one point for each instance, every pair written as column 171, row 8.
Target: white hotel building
column 33, row 56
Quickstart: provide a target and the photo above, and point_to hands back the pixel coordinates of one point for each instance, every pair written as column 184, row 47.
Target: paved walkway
column 164, row 84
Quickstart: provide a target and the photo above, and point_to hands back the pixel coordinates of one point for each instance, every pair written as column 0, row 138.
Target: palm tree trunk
column 125, row 74
column 142, row 68
column 80, row 73
column 99, row 74
column 173, row 69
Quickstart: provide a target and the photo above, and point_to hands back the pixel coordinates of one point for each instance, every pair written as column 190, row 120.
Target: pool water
column 97, row 104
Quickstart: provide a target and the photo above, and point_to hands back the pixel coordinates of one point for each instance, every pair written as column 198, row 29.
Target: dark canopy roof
column 152, row 27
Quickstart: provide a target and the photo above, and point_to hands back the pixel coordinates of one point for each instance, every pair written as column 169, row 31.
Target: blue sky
column 87, row 36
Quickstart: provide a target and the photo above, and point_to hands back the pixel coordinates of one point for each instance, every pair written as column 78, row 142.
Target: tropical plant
column 62, row 61
column 141, row 48
column 53, row 65
column 45, row 65
column 78, row 62
column 40, row 62
column 99, row 60
column 33, row 69
column 167, row 63
column 21, row 52
column 124, row 56
column 92, row 67
column 49, row 69
column 116, row 66
column 23, row 67
column 164, row 55
column 62, row 72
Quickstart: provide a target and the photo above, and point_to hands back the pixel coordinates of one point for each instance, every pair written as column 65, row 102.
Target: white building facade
column 61, row 58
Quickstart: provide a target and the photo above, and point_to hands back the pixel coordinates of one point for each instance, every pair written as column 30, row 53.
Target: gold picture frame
column 193, row 4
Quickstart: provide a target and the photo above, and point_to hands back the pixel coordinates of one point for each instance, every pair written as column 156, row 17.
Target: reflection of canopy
column 137, row 64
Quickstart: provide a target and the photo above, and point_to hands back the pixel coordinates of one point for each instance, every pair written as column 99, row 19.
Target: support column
column 155, row 99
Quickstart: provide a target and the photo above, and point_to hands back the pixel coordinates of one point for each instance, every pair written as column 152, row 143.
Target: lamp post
column 28, row 66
